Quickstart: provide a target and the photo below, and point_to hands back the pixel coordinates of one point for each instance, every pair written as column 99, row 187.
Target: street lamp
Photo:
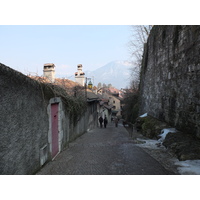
column 89, row 86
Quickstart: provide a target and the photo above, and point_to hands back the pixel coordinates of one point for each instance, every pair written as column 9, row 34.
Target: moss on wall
column 150, row 126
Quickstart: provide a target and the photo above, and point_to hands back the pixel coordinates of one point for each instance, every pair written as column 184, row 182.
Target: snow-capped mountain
column 116, row 73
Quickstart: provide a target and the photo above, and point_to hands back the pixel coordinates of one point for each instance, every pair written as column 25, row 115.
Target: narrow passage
column 104, row 151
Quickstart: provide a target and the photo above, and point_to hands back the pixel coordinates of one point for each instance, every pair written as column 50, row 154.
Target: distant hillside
column 116, row 73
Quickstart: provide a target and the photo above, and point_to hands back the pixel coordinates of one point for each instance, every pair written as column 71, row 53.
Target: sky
column 27, row 48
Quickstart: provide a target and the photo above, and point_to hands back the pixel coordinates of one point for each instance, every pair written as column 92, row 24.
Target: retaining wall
column 170, row 77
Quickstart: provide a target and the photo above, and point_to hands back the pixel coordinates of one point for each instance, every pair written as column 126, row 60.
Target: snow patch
column 151, row 144
column 188, row 167
column 164, row 133
column 144, row 115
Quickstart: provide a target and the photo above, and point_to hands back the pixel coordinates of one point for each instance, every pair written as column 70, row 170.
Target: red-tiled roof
column 68, row 85
column 113, row 90
column 58, row 81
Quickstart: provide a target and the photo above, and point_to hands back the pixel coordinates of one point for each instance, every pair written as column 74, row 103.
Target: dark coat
column 105, row 120
column 100, row 119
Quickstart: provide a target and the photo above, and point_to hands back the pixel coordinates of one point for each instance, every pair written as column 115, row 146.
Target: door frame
column 55, row 100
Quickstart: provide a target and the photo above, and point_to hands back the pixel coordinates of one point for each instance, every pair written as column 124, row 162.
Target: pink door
column 54, row 128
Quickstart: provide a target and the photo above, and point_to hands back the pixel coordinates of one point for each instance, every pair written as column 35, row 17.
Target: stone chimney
column 80, row 75
column 49, row 72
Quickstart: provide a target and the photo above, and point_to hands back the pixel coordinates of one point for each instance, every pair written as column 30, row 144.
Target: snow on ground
column 144, row 115
column 188, row 167
column 151, row 144
column 164, row 132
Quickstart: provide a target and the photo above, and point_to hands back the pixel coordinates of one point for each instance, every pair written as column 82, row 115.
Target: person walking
column 105, row 121
column 116, row 122
column 101, row 121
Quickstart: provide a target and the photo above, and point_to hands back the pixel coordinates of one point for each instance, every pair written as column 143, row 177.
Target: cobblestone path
column 103, row 151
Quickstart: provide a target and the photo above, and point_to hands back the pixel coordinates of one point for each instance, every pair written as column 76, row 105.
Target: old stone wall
column 85, row 123
column 25, row 123
column 170, row 77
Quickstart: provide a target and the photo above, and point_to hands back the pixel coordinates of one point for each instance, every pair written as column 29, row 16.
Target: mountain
column 116, row 73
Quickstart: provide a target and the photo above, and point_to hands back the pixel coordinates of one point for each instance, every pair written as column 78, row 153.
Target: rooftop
column 69, row 86
column 91, row 96
column 49, row 64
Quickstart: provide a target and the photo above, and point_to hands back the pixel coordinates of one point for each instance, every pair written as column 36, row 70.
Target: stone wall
column 25, row 123
column 170, row 77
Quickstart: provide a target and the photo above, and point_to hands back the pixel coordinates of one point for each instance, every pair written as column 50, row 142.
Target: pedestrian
column 101, row 121
column 105, row 121
column 124, row 123
column 116, row 122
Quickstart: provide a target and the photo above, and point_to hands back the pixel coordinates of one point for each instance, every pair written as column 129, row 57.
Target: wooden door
column 54, row 128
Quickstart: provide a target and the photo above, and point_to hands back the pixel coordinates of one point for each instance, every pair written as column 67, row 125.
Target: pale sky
column 48, row 38
column 27, row 48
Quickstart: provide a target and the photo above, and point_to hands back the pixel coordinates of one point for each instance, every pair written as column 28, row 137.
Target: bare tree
column 139, row 37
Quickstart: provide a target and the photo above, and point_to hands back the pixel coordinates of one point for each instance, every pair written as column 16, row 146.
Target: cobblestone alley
column 103, row 151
